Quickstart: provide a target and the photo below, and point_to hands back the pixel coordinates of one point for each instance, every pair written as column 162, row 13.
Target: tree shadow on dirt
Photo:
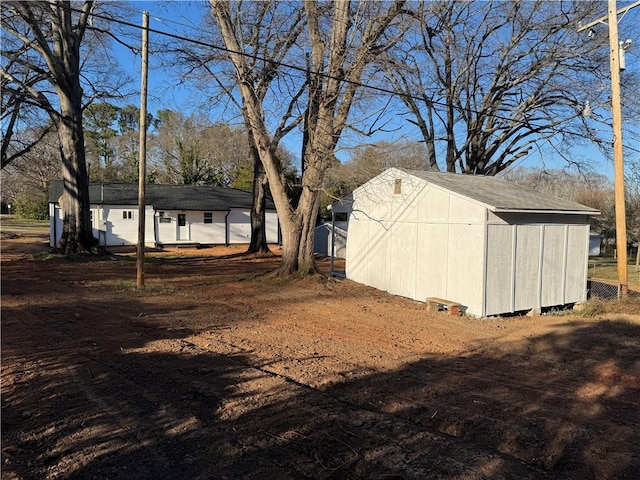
column 146, row 403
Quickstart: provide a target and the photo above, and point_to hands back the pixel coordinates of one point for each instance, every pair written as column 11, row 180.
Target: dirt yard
column 217, row 371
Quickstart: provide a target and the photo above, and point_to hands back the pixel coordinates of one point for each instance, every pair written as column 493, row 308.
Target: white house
column 595, row 241
column 488, row 244
column 174, row 214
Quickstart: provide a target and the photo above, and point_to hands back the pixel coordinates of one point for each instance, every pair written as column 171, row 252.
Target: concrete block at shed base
column 436, row 304
column 580, row 307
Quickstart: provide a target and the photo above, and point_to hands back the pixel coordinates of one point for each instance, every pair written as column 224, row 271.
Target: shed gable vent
column 398, row 186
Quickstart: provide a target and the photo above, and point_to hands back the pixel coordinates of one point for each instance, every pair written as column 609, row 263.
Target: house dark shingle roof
column 165, row 197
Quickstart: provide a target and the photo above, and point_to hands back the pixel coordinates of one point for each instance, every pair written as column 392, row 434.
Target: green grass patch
column 8, row 222
column 607, row 269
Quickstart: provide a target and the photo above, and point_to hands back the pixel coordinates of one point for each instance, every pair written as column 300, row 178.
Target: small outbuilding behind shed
column 488, row 244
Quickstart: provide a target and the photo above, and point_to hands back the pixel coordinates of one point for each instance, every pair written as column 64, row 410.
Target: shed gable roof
column 501, row 196
column 165, row 197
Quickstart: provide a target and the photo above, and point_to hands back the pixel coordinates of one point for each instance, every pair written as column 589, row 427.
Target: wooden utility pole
column 618, row 158
column 142, row 166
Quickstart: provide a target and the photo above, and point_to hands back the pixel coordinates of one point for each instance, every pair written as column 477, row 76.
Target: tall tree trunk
column 308, row 208
column 77, row 234
column 258, row 242
column 330, row 100
column 55, row 38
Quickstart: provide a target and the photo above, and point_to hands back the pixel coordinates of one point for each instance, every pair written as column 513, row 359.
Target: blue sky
column 182, row 17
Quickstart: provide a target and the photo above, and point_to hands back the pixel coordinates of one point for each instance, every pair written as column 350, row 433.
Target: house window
column 182, row 219
column 208, row 217
column 165, row 217
column 127, row 214
column 398, row 187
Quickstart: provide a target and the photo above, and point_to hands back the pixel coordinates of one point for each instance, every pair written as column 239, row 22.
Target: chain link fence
column 609, row 289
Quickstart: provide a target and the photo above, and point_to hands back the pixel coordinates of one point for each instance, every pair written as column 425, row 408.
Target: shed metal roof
column 165, row 197
column 501, row 196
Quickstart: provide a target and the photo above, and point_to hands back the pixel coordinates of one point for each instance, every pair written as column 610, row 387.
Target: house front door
column 183, row 228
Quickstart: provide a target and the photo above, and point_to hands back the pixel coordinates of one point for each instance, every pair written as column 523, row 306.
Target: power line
column 304, row 70
column 297, row 68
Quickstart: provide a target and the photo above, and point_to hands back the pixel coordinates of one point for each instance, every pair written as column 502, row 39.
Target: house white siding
column 239, row 222
column 55, row 224
column 108, row 225
column 120, row 224
column 209, row 233
column 272, row 227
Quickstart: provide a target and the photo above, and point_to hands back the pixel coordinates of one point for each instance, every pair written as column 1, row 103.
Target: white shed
column 493, row 246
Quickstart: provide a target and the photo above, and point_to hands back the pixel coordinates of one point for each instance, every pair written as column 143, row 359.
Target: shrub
column 32, row 207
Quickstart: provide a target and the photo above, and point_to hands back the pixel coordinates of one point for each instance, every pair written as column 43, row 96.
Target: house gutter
column 333, row 240
column 226, row 228
column 55, row 220
column 562, row 212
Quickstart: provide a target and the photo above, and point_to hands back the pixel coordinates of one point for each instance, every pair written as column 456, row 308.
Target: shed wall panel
column 376, row 200
column 434, row 205
column 465, row 277
column 577, row 252
column 357, row 248
column 377, row 255
column 431, row 263
column 553, row 264
column 462, row 210
column 527, row 265
column 402, row 259
column 405, row 204
column 499, row 287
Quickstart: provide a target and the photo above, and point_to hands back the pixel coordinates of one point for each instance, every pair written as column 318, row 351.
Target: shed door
column 183, row 228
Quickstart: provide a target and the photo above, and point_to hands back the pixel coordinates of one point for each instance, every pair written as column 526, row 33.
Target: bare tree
column 266, row 31
column 42, row 47
column 367, row 161
column 588, row 188
column 632, row 191
column 30, row 174
column 192, row 150
column 488, row 81
column 343, row 38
